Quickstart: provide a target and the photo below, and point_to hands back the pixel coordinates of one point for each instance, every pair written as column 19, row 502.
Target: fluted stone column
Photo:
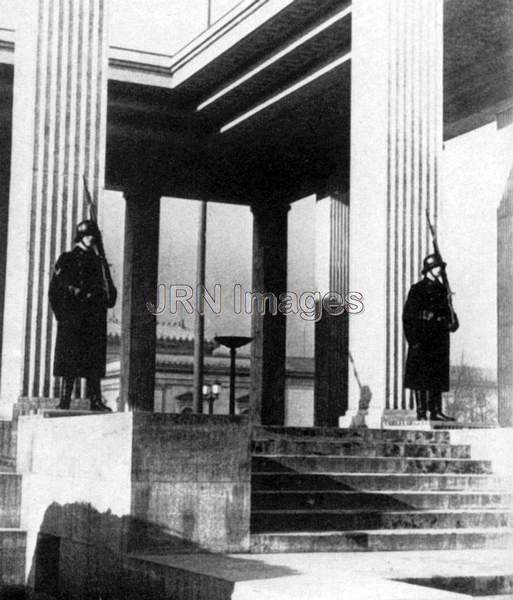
column 396, row 140
column 59, row 128
column 5, row 169
column 268, row 349
column 505, row 305
column 331, row 331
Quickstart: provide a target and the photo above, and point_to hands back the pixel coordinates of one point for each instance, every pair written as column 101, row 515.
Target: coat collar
column 81, row 250
column 433, row 283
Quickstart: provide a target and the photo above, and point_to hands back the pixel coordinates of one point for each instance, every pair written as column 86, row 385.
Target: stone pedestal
column 59, row 121
column 268, row 330
column 396, row 139
column 505, row 305
column 111, row 485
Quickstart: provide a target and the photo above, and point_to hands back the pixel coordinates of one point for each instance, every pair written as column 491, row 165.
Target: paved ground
column 357, row 576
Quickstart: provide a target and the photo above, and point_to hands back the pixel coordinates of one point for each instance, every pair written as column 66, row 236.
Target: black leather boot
column 67, row 384
column 94, row 392
column 435, row 407
column 98, row 406
column 421, row 402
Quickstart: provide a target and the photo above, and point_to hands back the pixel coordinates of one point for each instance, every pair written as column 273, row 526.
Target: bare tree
column 471, row 400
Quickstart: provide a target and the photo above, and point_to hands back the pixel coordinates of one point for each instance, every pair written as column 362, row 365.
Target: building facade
column 277, row 100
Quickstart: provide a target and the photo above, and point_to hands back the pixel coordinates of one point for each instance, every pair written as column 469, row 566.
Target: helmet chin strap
column 433, row 277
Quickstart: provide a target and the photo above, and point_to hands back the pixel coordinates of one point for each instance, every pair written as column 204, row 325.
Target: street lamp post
column 232, row 342
column 211, row 394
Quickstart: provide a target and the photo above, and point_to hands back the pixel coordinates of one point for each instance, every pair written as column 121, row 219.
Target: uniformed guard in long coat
column 428, row 322
column 80, row 295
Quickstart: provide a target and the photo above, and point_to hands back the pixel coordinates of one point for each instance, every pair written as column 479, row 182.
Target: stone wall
column 76, row 492
column 191, row 477
column 99, row 488
column 7, row 444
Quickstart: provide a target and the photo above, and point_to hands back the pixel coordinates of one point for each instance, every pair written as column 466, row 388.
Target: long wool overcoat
column 427, row 326
column 79, row 302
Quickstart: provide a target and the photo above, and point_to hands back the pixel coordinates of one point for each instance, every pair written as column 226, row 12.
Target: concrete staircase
column 329, row 490
column 12, row 538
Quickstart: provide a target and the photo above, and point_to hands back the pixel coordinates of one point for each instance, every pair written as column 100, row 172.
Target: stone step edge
column 366, row 447
column 388, row 532
column 387, row 492
column 497, row 480
column 286, row 430
column 378, row 540
column 378, row 474
column 377, row 511
column 363, row 443
column 356, row 456
column 12, row 530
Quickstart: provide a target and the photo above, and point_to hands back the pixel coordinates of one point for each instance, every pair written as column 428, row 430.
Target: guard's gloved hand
column 79, row 294
column 75, row 291
column 454, row 326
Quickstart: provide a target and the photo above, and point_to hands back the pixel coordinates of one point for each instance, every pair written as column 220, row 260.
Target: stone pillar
column 396, row 140
column 5, row 167
column 59, row 123
column 505, row 306
column 268, row 349
column 138, row 324
column 331, row 331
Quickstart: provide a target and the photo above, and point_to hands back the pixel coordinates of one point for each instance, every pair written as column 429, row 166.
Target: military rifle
column 110, row 290
column 443, row 273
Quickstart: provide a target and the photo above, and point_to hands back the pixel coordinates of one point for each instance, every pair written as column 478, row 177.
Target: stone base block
column 371, row 418
column 12, row 556
column 104, row 485
column 10, row 499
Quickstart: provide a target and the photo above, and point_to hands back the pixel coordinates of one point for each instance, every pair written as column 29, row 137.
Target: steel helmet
column 431, row 261
column 85, row 228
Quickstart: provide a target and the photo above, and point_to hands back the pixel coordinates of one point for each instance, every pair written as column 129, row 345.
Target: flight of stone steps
column 323, row 490
column 12, row 538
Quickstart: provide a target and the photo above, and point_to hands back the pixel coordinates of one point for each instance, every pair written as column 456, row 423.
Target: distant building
column 174, row 375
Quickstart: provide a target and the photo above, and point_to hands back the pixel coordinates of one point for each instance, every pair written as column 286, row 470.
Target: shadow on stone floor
column 478, row 585
column 84, row 554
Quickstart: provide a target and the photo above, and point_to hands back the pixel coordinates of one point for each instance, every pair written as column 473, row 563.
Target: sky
column 475, row 171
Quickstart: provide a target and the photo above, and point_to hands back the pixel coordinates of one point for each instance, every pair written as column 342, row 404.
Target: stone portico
column 343, row 100
column 347, row 101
